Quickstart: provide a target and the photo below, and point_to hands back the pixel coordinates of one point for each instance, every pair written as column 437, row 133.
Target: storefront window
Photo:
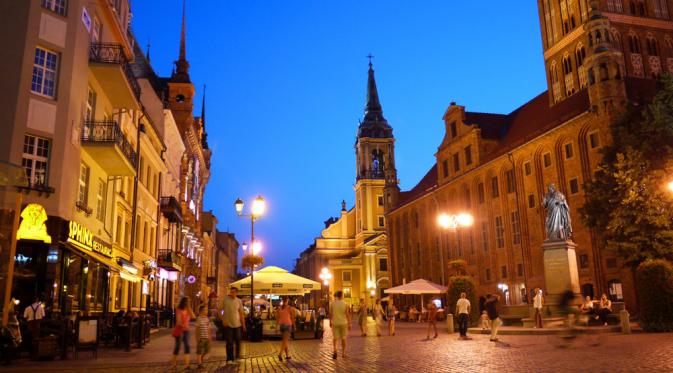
column 97, row 281
column 36, row 268
column 118, row 293
column 72, row 282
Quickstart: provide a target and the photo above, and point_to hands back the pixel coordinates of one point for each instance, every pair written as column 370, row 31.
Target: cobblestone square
column 407, row 351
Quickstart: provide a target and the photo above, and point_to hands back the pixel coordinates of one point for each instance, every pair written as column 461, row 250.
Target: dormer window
column 180, row 98
column 454, row 129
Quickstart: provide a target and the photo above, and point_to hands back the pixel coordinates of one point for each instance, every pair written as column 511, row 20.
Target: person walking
column 538, row 302
column 432, row 318
column 180, row 333
column 463, row 312
column 340, row 322
column 233, row 319
column 203, row 327
column 491, row 306
column 378, row 316
column 362, row 318
column 285, row 319
column 390, row 315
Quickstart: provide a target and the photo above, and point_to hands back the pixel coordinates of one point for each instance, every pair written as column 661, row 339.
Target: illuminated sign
column 32, row 225
column 84, row 238
column 191, row 279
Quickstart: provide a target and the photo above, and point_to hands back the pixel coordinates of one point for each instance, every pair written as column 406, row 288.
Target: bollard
column 625, row 322
column 449, row 323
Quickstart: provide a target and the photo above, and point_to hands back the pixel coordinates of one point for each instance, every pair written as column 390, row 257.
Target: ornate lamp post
column 670, row 186
column 453, row 223
column 326, row 276
column 250, row 258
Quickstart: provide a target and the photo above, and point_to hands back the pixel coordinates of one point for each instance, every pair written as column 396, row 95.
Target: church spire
column 204, row 138
column 181, row 73
column 373, row 124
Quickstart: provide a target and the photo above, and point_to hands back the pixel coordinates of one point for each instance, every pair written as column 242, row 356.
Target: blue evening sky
column 286, row 87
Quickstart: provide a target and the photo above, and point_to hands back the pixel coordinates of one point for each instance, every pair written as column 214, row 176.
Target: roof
column 427, row 183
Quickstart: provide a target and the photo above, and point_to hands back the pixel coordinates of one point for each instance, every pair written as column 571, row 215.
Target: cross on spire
column 370, row 56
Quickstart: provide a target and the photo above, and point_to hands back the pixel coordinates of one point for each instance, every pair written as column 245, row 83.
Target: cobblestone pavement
column 407, row 351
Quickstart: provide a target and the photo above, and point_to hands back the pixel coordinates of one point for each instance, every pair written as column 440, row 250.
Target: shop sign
column 84, row 238
column 32, row 226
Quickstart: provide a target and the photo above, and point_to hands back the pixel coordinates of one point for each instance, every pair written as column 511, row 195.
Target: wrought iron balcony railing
column 108, row 132
column 113, row 54
column 171, row 208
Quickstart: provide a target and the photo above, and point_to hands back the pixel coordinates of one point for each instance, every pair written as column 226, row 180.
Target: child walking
column 203, row 335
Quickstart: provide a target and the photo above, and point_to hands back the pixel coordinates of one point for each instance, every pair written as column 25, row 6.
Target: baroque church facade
column 353, row 247
column 599, row 56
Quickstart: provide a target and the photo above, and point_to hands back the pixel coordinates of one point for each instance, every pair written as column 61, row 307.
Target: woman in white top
column 538, row 302
column 378, row 316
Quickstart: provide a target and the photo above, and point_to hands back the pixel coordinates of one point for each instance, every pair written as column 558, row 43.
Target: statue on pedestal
column 557, row 222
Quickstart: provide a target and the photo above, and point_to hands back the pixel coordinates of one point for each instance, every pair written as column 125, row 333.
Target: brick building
column 598, row 56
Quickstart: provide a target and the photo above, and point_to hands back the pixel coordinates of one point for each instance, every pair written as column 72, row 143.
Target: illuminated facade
column 497, row 167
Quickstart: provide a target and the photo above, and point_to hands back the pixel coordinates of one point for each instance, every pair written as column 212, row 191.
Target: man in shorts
column 340, row 322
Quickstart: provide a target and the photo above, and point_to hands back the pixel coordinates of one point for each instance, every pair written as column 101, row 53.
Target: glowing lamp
column 258, row 207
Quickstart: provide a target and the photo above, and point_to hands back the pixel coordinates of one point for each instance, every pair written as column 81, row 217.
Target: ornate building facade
column 599, row 55
column 354, row 246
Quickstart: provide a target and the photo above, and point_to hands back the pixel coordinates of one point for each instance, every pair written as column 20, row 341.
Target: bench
column 613, row 317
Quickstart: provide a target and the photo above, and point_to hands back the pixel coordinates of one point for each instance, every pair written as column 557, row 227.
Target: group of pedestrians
column 233, row 320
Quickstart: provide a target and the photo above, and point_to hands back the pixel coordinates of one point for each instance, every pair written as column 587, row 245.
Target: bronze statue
column 557, row 222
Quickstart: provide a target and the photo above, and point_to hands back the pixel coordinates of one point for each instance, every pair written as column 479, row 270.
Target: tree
column 654, row 280
column 463, row 284
column 627, row 201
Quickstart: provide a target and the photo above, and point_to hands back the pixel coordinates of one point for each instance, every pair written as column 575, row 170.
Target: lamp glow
column 239, row 206
column 256, row 247
column 244, row 246
column 465, row 220
column 670, row 186
column 446, row 221
column 258, row 206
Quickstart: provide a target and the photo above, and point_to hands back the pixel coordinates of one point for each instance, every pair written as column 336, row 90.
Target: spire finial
column 183, row 52
column 370, row 56
column 149, row 45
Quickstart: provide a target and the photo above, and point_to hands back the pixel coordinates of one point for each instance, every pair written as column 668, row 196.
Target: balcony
column 106, row 143
column 169, row 260
column 171, row 209
column 113, row 71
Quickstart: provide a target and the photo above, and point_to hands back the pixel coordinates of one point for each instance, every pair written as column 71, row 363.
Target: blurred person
column 362, row 317
column 285, row 321
column 340, row 322
column 538, row 303
column 181, row 330
column 463, row 307
column 432, row 318
column 491, row 306
column 203, row 328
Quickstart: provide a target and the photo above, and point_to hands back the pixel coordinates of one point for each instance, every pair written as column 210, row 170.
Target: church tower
column 180, row 88
column 376, row 180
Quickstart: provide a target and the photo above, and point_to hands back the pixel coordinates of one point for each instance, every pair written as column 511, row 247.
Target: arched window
column 567, row 65
column 652, row 46
column 661, row 9
column 634, row 43
column 580, row 55
column 603, row 72
column 616, row 39
column 556, row 86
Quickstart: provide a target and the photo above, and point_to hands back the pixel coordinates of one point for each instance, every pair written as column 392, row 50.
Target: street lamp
column 670, row 186
column 251, row 258
column 453, row 222
column 326, row 276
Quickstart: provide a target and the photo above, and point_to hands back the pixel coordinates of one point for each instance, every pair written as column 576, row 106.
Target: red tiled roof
column 427, row 183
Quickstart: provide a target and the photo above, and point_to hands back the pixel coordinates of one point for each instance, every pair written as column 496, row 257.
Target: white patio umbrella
column 418, row 287
column 275, row 280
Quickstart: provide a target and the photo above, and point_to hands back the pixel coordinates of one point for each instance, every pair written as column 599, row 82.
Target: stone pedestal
column 560, row 269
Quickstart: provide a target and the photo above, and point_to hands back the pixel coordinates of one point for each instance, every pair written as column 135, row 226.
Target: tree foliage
column 654, row 280
column 460, row 284
column 627, row 201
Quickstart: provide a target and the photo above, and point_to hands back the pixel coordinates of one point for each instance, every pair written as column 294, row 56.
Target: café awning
column 417, row 287
column 275, row 280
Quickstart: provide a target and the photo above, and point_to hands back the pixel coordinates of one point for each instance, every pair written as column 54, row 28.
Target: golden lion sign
column 83, row 237
column 32, row 225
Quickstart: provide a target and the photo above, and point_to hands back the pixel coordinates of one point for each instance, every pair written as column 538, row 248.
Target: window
column 528, row 170
column 456, row 162
column 494, row 187
column 584, row 261
column 615, row 6
column 468, row 155
column 574, row 186
column 511, row 182
column 83, row 190
column 488, row 274
column 503, row 271
column 499, row 233
column 346, row 276
column 381, row 221
column 568, row 150
column 484, row 236
column 56, row 6
column 615, row 290
column 454, row 130
column 546, row 158
column 516, row 228
column 100, row 200
column 611, row 262
column 383, row 264
column 652, row 46
column 90, row 113
column 480, row 192
column 44, row 73
column 445, row 168
column 468, row 199
column 594, row 140
column 531, row 201
column 634, row 43
column 380, row 200
column 35, row 159
column 347, row 293
column 519, row 270
column 118, row 231
column 661, row 9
